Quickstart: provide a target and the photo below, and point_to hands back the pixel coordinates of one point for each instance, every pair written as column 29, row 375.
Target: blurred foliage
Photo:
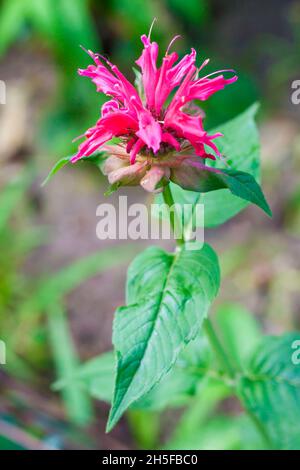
column 25, row 300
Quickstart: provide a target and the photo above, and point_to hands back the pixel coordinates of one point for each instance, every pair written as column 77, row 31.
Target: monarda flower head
column 159, row 139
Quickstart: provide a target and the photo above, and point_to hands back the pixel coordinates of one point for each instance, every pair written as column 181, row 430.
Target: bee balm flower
column 156, row 135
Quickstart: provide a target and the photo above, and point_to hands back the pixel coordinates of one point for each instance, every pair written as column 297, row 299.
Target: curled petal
column 170, row 76
column 147, row 63
column 191, row 128
column 109, row 107
column 149, row 131
column 164, row 85
column 203, row 88
column 89, row 146
column 110, row 82
column 136, row 149
column 170, row 139
column 179, row 71
column 111, row 125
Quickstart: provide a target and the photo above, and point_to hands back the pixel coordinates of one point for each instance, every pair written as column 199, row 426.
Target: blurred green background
column 59, row 285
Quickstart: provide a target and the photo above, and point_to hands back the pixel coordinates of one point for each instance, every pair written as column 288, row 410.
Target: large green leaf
column 168, row 295
column 240, row 145
column 271, row 390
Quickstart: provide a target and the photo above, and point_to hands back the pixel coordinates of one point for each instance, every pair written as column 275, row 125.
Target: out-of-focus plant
column 26, row 300
column 60, row 27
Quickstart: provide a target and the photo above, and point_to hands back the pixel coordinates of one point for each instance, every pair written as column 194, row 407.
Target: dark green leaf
column 243, row 185
column 168, row 296
column 205, row 179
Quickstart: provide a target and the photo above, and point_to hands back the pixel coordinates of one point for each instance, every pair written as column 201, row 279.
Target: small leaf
column 168, row 296
column 271, row 391
column 112, row 189
column 58, row 165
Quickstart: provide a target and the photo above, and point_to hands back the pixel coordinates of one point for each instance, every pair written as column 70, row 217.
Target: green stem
column 226, row 364
column 218, row 348
column 174, row 221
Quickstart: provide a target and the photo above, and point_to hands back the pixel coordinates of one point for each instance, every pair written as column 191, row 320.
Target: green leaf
column 193, row 421
column 243, row 185
column 112, row 189
column 219, row 433
column 96, row 158
column 58, row 165
column 239, row 331
column 168, row 296
column 96, row 376
column 77, row 402
column 205, row 179
column 240, row 145
column 270, row 390
column 184, row 378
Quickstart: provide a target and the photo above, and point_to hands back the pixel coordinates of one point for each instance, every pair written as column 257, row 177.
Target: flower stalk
column 174, row 219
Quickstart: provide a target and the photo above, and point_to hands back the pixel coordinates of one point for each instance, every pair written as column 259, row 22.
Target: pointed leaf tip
column 245, row 186
column 58, row 165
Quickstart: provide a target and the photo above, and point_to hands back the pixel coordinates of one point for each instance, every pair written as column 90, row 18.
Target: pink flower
column 154, row 137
